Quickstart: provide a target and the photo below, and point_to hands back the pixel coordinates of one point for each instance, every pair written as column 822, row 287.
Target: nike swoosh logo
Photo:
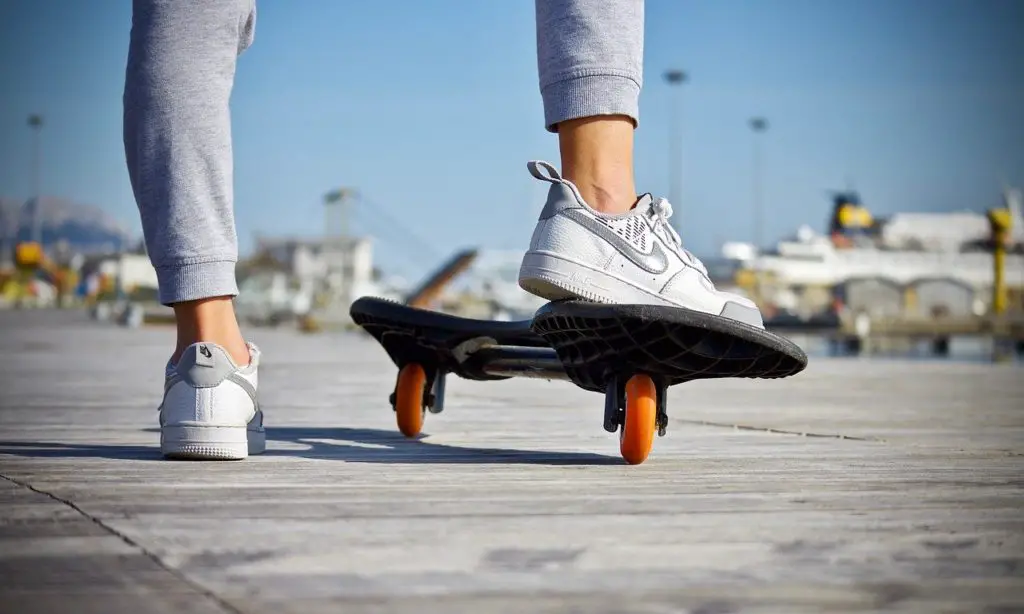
column 655, row 262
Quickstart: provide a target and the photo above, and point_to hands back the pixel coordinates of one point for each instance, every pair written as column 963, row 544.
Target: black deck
column 441, row 341
column 586, row 343
column 594, row 341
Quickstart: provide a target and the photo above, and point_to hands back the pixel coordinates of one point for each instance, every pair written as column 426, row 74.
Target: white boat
column 906, row 249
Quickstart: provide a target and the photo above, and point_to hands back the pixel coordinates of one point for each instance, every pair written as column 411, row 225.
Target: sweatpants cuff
column 190, row 282
column 588, row 96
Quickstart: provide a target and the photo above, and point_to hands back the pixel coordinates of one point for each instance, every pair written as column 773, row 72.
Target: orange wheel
column 637, row 434
column 409, row 399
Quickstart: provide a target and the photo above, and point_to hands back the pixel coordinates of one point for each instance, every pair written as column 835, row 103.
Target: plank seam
column 224, row 604
column 767, row 429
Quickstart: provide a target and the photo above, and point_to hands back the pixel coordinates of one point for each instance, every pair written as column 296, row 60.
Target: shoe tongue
column 644, row 202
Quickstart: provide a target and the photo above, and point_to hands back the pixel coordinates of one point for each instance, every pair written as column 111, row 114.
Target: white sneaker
column 634, row 257
column 210, row 409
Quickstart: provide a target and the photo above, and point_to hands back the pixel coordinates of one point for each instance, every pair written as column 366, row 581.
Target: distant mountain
column 85, row 228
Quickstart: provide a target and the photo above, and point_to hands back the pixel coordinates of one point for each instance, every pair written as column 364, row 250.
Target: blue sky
column 431, row 109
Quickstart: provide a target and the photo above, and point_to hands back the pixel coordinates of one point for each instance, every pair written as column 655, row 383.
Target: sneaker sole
column 205, row 442
column 555, row 278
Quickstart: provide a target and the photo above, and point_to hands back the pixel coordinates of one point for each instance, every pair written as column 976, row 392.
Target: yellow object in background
column 909, row 300
column 854, row 216
column 745, row 278
column 28, row 254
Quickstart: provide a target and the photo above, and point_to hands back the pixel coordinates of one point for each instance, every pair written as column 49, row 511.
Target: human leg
column 177, row 133
column 177, row 137
column 590, row 64
column 595, row 238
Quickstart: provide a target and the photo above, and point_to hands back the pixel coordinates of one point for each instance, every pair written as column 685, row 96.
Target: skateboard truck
column 662, row 404
column 615, row 405
column 435, row 399
column 433, row 395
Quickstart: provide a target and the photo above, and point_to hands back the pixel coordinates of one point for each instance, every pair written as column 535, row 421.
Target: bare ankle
column 597, row 156
column 212, row 320
column 612, row 195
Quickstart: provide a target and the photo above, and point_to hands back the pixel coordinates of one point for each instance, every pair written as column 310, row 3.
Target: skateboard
column 631, row 353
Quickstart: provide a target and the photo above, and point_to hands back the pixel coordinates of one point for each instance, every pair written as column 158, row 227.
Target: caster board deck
column 630, row 353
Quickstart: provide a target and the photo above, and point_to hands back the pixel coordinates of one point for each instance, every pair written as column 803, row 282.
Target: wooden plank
column 54, row 558
column 856, row 486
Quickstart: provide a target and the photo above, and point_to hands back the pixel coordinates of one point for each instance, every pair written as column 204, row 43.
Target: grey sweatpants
column 177, row 124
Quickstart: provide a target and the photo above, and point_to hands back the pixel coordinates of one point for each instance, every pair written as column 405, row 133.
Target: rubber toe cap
column 742, row 310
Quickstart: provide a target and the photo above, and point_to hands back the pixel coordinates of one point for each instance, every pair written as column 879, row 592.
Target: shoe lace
column 661, row 211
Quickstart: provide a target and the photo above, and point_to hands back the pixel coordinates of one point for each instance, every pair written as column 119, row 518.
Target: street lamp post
column 759, row 125
column 675, row 78
column 337, row 205
column 35, row 122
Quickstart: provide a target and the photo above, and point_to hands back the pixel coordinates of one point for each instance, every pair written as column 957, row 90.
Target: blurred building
column 345, row 263
column 132, row 272
column 289, row 277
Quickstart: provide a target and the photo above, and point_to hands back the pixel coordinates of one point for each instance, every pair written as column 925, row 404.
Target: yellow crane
column 1001, row 223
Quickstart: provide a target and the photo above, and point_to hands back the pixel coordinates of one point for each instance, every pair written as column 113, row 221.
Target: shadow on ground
column 354, row 445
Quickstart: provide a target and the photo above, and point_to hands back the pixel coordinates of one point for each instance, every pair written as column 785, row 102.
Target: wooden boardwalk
column 855, row 486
